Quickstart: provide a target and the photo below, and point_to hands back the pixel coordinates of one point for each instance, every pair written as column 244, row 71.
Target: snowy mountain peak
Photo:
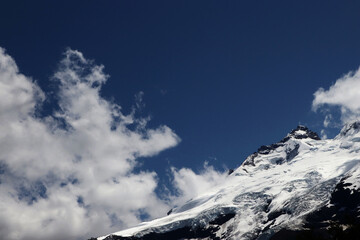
column 286, row 149
column 299, row 188
column 350, row 129
column 301, row 132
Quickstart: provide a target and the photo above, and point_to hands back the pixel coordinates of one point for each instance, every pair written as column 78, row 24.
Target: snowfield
column 276, row 188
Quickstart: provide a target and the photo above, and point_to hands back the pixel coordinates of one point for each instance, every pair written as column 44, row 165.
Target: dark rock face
column 343, row 209
column 308, row 134
column 250, row 160
column 180, row 233
column 187, row 232
column 292, row 153
column 266, row 149
column 340, row 220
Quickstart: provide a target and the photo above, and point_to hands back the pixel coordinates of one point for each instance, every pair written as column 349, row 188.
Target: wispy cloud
column 70, row 175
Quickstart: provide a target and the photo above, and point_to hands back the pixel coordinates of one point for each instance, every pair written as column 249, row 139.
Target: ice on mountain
column 346, row 144
column 350, row 129
column 286, row 185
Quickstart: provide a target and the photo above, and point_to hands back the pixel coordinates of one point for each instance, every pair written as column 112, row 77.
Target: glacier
column 302, row 187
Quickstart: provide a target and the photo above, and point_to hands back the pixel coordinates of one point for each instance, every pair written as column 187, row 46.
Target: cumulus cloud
column 190, row 184
column 345, row 93
column 70, row 175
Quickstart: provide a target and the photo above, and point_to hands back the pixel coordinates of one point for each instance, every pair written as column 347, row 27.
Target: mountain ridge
column 300, row 187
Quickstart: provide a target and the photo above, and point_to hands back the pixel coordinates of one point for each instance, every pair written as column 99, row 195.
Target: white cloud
column 190, row 184
column 70, row 175
column 19, row 94
column 345, row 93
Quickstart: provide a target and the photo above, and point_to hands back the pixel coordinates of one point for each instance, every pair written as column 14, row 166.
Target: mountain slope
column 299, row 188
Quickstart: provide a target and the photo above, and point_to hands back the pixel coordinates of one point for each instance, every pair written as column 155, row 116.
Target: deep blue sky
column 226, row 76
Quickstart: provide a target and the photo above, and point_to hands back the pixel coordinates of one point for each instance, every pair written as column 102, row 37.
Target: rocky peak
column 301, row 132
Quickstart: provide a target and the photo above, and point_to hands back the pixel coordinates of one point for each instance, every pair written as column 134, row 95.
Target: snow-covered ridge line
column 277, row 191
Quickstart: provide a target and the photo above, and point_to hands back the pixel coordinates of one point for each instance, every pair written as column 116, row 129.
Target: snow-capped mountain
column 299, row 188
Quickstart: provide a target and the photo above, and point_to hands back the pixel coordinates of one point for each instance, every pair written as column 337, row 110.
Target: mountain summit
column 299, row 188
column 302, row 132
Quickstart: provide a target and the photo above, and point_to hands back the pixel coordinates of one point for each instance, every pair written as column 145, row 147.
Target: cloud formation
column 190, row 184
column 345, row 93
column 69, row 175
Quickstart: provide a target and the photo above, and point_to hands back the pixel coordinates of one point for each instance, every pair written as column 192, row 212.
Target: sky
column 113, row 112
